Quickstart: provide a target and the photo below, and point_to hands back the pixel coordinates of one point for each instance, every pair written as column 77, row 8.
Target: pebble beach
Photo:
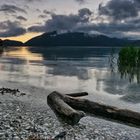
column 22, row 117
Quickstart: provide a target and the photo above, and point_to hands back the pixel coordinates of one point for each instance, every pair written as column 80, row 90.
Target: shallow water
column 41, row 70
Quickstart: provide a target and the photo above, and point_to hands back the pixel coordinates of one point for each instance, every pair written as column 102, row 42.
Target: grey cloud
column 85, row 12
column 7, row 8
column 33, row 0
column 63, row 22
column 81, row 22
column 21, row 18
column 120, row 9
column 30, row 0
column 42, row 16
column 116, row 29
column 38, row 10
column 10, row 29
column 81, row 1
column 49, row 12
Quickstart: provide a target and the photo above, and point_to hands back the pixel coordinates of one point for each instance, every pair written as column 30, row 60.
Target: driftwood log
column 78, row 94
column 56, row 102
column 67, row 106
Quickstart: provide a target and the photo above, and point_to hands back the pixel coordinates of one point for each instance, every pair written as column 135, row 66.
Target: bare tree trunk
column 67, row 106
column 78, row 94
column 55, row 100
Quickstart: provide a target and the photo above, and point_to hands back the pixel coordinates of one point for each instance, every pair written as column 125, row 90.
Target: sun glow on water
column 24, row 53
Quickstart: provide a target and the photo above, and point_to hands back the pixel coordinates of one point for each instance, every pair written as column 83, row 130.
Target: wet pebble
column 19, row 120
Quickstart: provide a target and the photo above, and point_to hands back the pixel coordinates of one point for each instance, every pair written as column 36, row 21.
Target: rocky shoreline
column 21, row 119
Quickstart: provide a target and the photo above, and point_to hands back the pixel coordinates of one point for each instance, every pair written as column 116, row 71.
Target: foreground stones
column 67, row 107
column 37, row 121
column 15, row 92
column 22, row 119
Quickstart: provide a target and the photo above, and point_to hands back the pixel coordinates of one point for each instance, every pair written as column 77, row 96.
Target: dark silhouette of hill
column 71, row 39
column 75, row 39
column 137, row 43
column 11, row 43
column 1, row 42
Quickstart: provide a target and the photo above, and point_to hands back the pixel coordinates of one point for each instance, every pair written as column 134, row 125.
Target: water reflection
column 1, row 50
column 71, row 53
column 112, row 60
column 15, row 65
column 68, row 70
column 129, row 71
column 23, row 53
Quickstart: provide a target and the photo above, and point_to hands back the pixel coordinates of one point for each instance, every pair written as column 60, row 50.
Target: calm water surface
column 67, row 70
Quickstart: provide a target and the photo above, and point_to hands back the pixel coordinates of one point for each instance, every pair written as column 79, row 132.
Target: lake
column 41, row 70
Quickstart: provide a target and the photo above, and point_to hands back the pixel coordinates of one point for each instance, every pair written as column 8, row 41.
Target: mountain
column 75, row 39
column 1, row 42
column 137, row 43
column 11, row 43
column 71, row 39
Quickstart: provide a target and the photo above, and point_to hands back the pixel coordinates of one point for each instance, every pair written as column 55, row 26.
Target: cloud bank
column 10, row 9
column 120, row 9
column 119, row 18
column 10, row 29
column 64, row 22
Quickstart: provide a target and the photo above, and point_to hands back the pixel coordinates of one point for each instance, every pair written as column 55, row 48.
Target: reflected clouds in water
column 80, row 69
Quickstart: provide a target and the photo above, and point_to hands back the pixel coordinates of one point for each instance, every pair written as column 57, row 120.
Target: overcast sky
column 23, row 19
